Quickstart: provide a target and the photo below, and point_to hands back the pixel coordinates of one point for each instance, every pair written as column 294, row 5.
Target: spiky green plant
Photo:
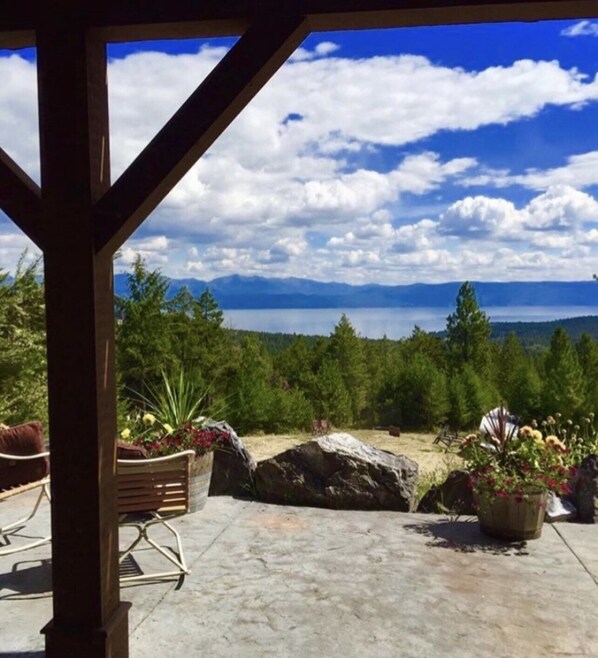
column 180, row 400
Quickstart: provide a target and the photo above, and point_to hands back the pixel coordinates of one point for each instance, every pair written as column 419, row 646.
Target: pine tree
column 251, row 394
column 332, row 400
column 295, row 364
column 346, row 349
column 422, row 394
column 470, row 398
column 421, row 342
column 526, row 392
column 563, row 386
column 23, row 369
column 143, row 342
column 587, row 352
column 511, row 361
column 468, row 333
column 207, row 308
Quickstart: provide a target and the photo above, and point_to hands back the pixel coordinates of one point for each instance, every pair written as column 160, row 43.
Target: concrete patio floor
column 274, row 581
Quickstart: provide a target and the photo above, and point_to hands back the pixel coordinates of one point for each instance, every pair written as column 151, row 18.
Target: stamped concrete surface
column 274, row 581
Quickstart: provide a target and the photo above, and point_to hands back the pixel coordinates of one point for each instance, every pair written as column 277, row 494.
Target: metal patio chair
column 152, row 492
column 9, row 530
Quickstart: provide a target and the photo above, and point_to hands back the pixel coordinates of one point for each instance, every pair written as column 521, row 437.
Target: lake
column 377, row 322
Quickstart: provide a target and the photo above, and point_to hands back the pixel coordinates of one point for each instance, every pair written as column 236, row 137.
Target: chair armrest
column 188, row 455
column 17, row 458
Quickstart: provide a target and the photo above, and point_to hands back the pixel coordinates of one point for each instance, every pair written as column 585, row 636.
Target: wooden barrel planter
column 511, row 519
column 201, row 474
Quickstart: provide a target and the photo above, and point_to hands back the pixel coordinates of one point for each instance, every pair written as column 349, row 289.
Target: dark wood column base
column 108, row 641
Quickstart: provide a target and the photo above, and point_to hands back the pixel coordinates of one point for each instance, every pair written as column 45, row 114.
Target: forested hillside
column 275, row 383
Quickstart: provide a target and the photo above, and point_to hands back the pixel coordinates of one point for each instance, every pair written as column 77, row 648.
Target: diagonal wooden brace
column 246, row 68
column 20, row 198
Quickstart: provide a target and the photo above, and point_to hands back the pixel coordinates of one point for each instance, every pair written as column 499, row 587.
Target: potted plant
column 512, row 468
column 170, row 422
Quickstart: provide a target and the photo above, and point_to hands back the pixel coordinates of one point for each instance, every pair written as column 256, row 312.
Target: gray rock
column 586, row 490
column 234, row 467
column 339, row 472
column 453, row 495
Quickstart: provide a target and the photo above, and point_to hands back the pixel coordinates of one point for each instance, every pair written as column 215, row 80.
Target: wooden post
column 88, row 618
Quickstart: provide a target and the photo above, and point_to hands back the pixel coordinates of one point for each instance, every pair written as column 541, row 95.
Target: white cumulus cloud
column 581, row 29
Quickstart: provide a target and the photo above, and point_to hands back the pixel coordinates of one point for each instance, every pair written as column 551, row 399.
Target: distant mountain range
column 252, row 292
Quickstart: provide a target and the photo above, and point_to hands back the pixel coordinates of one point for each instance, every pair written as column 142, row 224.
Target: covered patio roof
column 78, row 219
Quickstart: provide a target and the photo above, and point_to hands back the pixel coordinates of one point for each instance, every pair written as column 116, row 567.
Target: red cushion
column 26, row 439
column 126, row 450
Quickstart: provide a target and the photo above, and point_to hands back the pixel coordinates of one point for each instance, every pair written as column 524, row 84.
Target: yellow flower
column 168, row 428
column 526, row 432
column 538, row 438
column 149, row 419
column 554, row 442
column 126, row 433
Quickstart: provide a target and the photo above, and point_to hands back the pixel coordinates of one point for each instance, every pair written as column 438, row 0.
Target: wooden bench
column 447, row 437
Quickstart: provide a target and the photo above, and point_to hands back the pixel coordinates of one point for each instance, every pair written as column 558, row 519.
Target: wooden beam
column 88, row 618
column 131, row 20
column 244, row 70
column 20, row 198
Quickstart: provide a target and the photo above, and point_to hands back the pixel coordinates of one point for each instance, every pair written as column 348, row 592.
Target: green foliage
column 563, row 383
column 144, row 348
column 470, row 397
column 468, row 333
column 331, row 398
column 587, row 353
column 23, row 370
column 346, row 350
column 181, row 361
column 422, row 391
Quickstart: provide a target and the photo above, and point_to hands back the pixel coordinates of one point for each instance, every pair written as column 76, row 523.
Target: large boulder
column 339, row 472
column 453, row 495
column 234, row 467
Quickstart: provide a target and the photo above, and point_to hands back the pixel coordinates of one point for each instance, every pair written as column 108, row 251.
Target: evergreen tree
column 526, row 392
column 468, row 333
column 23, row 367
column 510, row 362
column 346, row 349
column 587, row 352
column 143, row 344
column 421, row 342
column 332, row 400
column 180, row 309
column 296, row 365
column 470, row 398
column 422, row 393
column 207, row 308
column 289, row 410
column 212, row 346
column 251, row 395
column 383, row 363
column 563, row 385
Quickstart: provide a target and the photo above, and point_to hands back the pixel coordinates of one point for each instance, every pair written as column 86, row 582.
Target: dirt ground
column 419, row 447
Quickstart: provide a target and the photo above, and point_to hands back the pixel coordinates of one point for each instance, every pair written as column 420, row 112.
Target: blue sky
column 395, row 156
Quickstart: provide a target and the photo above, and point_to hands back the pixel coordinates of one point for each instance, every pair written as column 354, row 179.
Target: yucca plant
column 172, row 417
column 179, row 400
